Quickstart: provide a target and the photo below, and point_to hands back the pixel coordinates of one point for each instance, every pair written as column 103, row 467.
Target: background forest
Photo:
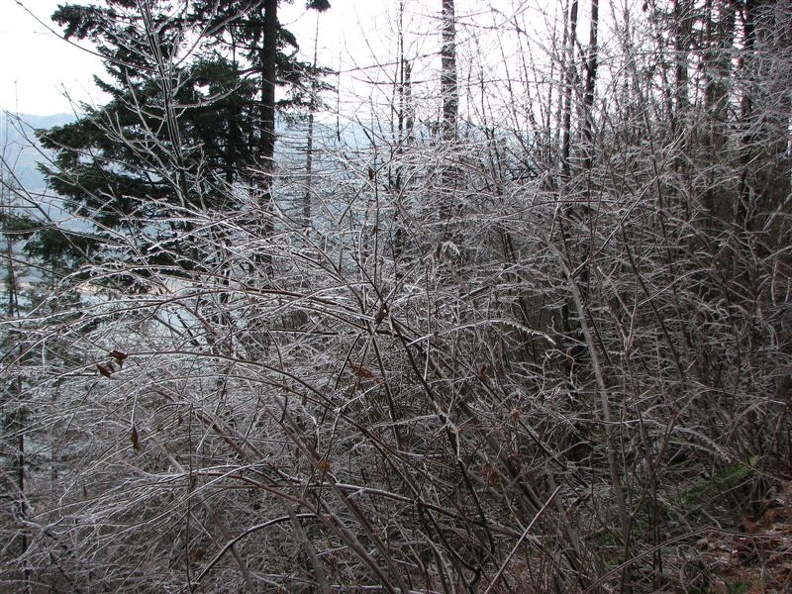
column 509, row 314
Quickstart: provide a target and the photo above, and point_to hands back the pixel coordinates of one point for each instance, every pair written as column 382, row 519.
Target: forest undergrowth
column 521, row 331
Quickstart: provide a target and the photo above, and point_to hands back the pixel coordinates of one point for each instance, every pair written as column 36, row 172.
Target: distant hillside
column 18, row 148
column 20, row 154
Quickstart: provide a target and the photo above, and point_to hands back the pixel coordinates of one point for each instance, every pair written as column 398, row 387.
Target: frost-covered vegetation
column 518, row 322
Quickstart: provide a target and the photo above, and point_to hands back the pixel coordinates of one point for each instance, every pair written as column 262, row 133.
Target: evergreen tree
column 252, row 30
column 184, row 125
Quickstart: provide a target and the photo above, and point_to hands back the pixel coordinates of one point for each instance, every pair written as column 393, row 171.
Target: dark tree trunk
column 569, row 83
column 268, row 55
column 266, row 148
column 591, row 83
column 448, row 75
column 450, row 95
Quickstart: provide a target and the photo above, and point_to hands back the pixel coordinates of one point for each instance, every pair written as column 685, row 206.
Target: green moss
column 731, row 477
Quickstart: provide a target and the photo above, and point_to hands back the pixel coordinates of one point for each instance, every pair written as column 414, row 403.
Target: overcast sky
column 38, row 67
column 42, row 74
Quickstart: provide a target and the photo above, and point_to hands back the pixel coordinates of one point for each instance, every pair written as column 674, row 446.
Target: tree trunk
column 569, row 83
column 266, row 152
column 591, row 83
column 719, row 33
column 268, row 55
column 450, row 95
column 683, row 20
column 764, row 114
column 448, row 76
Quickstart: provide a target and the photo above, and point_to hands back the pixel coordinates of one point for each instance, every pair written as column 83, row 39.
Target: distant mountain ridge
column 19, row 152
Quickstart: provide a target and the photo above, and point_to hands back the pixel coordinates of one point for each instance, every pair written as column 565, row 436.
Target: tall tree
column 194, row 111
column 719, row 29
column 570, row 80
column 253, row 30
column 448, row 72
column 765, row 113
column 449, row 93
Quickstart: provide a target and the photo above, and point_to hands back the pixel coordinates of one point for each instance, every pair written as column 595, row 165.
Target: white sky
column 38, row 68
column 42, row 74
